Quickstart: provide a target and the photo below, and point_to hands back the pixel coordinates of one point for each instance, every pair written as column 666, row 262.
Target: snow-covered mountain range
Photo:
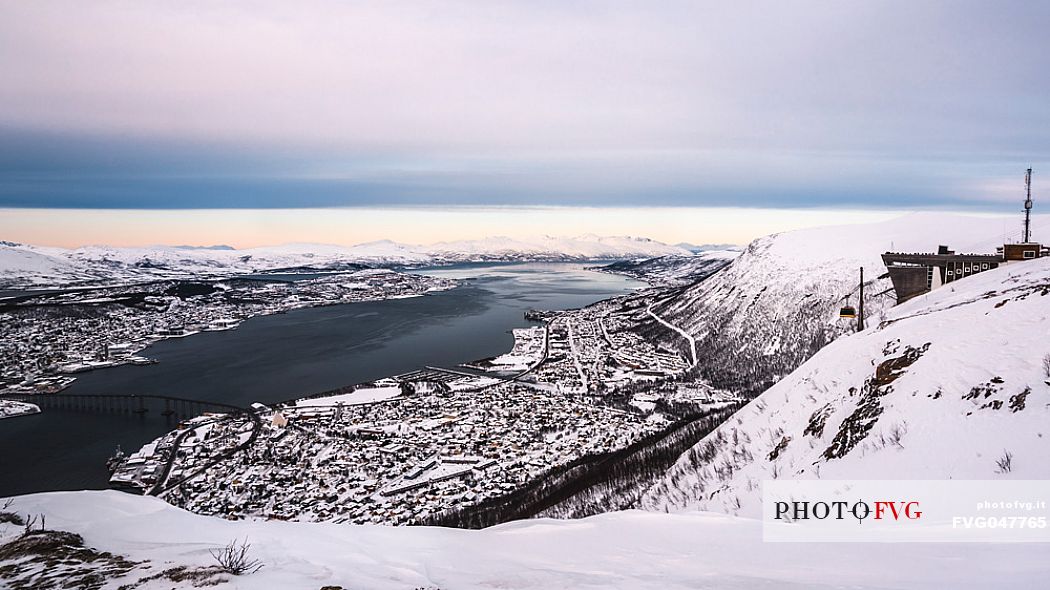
column 954, row 384
column 25, row 265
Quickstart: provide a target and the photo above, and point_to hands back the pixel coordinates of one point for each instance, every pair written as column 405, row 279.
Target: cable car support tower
column 848, row 311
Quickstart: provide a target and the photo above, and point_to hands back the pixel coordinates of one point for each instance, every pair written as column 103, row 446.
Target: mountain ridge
column 28, row 266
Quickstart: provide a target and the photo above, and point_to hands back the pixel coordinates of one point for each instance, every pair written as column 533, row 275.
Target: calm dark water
column 278, row 357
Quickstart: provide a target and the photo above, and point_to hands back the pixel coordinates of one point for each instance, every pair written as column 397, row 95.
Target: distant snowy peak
column 588, row 247
column 214, row 247
column 388, row 252
column 697, row 248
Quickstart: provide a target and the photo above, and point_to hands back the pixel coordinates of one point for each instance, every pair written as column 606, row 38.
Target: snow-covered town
column 596, row 350
column 394, row 461
column 412, row 446
column 47, row 338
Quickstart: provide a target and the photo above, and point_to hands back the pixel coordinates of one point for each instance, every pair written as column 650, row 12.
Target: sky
column 247, row 228
column 229, row 113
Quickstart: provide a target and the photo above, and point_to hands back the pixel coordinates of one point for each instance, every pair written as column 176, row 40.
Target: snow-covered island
column 46, row 338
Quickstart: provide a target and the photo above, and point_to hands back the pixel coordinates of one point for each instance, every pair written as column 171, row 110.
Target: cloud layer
column 317, row 103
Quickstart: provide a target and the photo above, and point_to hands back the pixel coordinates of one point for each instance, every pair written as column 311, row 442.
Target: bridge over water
column 178, row 407
column 175, row 408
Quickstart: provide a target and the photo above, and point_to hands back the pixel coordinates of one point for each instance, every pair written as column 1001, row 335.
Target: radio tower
column 1028, row 206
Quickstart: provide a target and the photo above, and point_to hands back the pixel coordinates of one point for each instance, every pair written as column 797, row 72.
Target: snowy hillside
column 953, row 384
column 674, row 270
column 777, row 303
column 23, row 265
column 697, row 248
column 626, row 550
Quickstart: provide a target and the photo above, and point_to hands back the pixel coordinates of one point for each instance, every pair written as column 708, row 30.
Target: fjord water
column 282, row 356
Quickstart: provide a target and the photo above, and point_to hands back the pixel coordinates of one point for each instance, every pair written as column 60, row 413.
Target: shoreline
column 61, row 377
column 486, row 312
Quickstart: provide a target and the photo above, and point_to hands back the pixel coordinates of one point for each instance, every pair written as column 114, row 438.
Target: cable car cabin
column 848, row 312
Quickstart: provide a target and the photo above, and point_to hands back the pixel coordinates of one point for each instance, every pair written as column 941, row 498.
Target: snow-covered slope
column 25, row 265
column 387, row 252
column 626, row 550
column 947, row 385
column 674, row 270
column 777, row 303
column 22, row 265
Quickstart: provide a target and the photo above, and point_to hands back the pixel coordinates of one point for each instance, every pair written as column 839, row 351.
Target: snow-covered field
column 362, row 395
column 624, row 550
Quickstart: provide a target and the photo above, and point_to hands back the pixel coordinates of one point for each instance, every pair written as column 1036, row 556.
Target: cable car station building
column 916, row 274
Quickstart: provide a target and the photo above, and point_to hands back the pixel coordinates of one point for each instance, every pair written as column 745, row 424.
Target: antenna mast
column 1028, row 206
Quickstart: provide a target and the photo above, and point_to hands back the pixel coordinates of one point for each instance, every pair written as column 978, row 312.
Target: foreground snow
column 631, row 550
